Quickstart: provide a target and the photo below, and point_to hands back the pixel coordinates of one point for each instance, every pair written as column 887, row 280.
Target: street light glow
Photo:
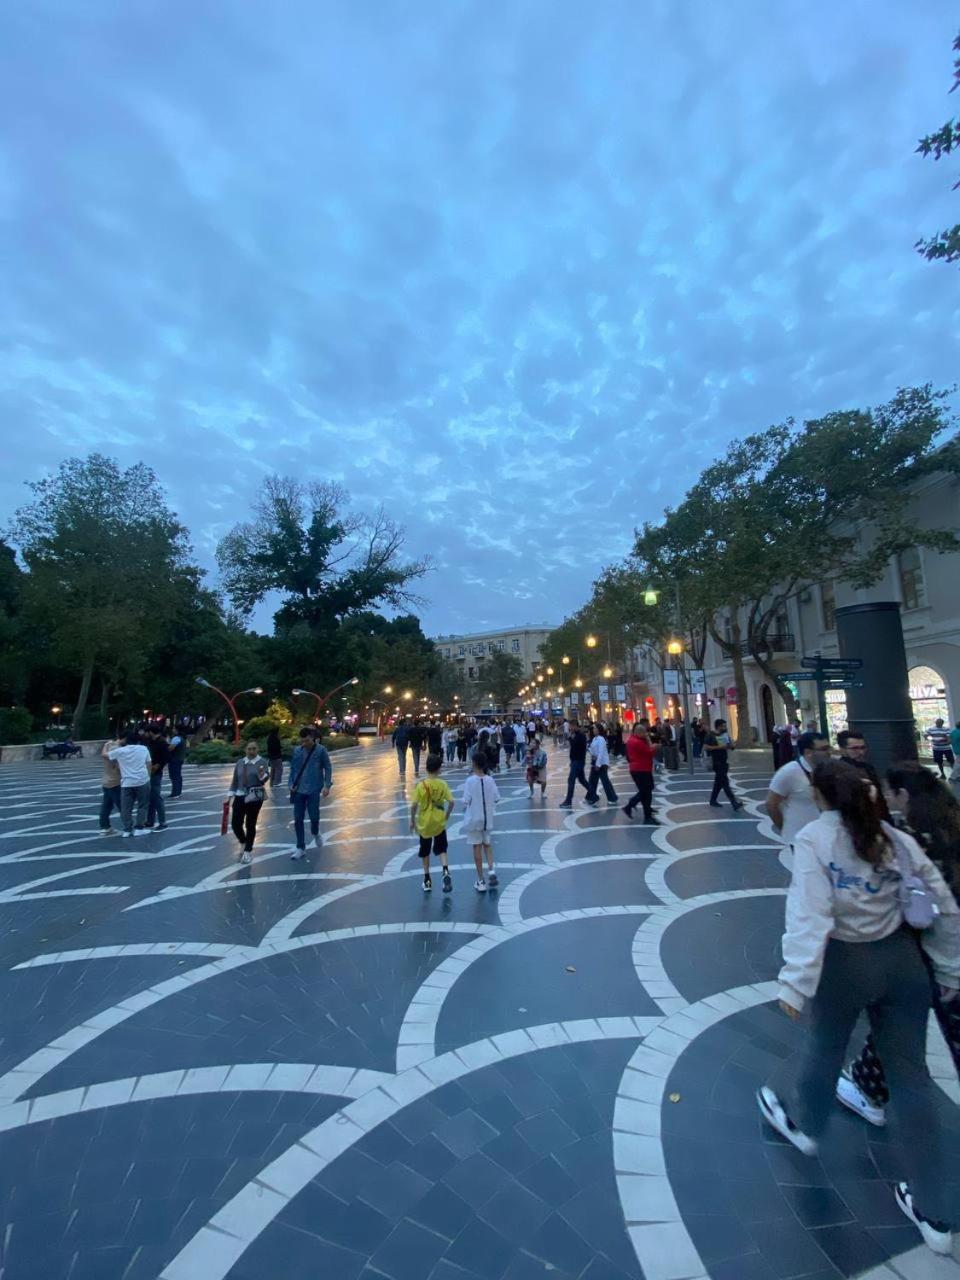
column 650, row 596
column 607, row 672
column 565, row 660
column 578, row 683
column 388, row 688
column 591, row 642
column 549, row 671
column 675, row 647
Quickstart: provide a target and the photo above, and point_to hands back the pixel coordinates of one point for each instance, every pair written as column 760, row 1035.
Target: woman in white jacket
column 847, row 950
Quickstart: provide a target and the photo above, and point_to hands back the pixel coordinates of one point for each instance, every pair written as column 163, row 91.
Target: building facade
column 927, row 586
column 467, row 653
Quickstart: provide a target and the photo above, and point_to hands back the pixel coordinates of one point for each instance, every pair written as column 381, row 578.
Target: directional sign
column 832, row 664
column 796, row 675
column 843, row 684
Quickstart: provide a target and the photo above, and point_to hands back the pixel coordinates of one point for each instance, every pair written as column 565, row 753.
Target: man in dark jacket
column 417, row 737
column 401, row 740
column 853, row 750
column 578, row 756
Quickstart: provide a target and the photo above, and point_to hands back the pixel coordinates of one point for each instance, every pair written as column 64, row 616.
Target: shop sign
column 621, row 691
column 732, row 696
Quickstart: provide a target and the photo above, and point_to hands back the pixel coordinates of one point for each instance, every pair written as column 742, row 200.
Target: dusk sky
column 519, row 269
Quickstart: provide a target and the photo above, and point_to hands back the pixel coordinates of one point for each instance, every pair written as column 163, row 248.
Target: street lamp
column 675, row 648
column 230, row 701
column 607, row 672
column 578, row 683
column 388, row 688
column 322, row 698
column 591, row 642
column 565, row 660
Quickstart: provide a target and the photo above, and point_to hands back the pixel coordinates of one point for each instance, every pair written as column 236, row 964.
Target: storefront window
column 913, row 590
column 828, row 606
column 928, row 695
column 836, row 711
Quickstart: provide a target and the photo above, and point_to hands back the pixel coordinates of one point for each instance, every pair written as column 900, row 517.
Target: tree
column 102, row 553
column 502, row 675
column 945, row 245
column 14, row 655
column 327, row 561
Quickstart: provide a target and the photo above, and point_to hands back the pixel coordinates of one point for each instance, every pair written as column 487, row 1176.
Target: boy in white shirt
column 134, row 761
column 480, row 796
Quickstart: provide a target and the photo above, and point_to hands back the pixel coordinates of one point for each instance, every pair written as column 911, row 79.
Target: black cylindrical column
column 881, row 709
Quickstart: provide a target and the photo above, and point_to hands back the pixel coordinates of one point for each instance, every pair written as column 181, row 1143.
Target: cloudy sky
column 517, row 268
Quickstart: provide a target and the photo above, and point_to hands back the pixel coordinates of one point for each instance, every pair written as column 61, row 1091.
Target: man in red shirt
column 640, row 756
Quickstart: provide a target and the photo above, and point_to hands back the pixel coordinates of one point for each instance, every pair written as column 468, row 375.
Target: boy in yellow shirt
column 431, row 808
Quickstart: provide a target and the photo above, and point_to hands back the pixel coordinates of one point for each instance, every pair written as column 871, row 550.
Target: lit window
column 913, row 590
column 828, row 606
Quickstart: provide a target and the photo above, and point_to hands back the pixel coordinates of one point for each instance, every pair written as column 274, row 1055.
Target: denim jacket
column 318, row 773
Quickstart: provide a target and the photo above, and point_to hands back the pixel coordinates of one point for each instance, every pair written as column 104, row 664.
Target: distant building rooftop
column 496, row 631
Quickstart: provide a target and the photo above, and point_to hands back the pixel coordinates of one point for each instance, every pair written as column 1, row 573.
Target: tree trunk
column 744, row 734
column 789, row 701
column 104, row 699
column 83, row 695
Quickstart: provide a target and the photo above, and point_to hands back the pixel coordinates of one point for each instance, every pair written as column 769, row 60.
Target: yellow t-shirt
column 431, row 796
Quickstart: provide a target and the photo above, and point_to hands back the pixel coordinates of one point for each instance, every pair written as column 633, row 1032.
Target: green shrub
column 214, row 752
column 16, row 725
column 258, row 727
column 92, row 725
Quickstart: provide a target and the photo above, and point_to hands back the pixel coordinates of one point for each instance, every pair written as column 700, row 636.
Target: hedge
column 16, row 725
column 219, row 752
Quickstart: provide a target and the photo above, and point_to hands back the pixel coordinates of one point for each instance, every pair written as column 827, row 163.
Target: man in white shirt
column 599, row 770
column 790, row 801
column 134, row 761
column 520, row 729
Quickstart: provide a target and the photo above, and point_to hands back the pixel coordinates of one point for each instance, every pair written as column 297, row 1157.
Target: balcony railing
column 776, row 642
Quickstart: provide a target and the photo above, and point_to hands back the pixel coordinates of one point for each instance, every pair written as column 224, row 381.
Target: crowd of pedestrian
column 132, row 782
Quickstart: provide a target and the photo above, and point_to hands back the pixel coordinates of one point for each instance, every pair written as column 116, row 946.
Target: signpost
column 671, row 682
column 827, row 673
column 698, row 680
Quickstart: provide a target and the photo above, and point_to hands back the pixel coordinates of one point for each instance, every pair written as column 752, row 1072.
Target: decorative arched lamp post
column 230, row 701
column 323, row 698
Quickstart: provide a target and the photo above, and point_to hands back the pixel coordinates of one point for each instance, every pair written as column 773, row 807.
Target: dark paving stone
column 408, row 1252
column 723, row 872
column 548, row 1180
column 595, row 884
column 443, row 1212
column 403, row 899
column 617, row 835
column 817, row 1206
column 515, row 1212
column 850, row 1248
column 742, row 938
column 481, row 1249
column 392, row 1190
column 465, row 1133
column 547, row 1132
column 719, row 1237
column 532, row 969
column 741, row 829
column 291, row 1254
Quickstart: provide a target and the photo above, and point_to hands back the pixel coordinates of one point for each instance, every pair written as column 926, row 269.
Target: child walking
column 480, row 796
column 537, row 767
column 429, row 814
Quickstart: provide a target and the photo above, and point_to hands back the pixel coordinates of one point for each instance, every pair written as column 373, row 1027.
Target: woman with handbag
column 859, row 891
column 250, row 776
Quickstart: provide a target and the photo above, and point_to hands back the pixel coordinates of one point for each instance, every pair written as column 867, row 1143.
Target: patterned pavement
column 215, row 1072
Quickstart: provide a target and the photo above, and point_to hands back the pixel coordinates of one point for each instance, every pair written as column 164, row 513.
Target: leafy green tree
column 327, row 562
column 101, row 550
column 502, row 675
column 15, row 658
column 945, row 245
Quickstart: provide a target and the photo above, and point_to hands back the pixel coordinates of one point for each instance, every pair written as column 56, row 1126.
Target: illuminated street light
column 591, row 642
column 407, row 695
column 578, row 683
column 321, row 698
column 388, row 688
column 549, row 671
column 230, row 701
column 650, row 596
column 607, row 672
column 675, row 647
column 565, row 660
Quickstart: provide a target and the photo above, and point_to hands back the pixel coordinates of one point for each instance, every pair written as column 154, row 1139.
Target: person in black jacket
column 417, row 737
column 853, row 750
column 578, row 756
column 435, row 739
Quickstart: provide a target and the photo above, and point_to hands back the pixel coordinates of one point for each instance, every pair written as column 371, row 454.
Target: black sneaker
column 627, row 811
column 772, row 1110
column 715, row 804
column 427, row 884
column 651, row 822
column 564, row 804
column 447, row 882
column 936, row 1235
column 492, row 879
column 737, row 806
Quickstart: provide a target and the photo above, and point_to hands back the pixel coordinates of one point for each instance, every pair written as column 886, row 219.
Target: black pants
column 599, row 774
column 644, row 784
column 867, row 1071
column 175, row 769
column 575, row 775
column 942, row 756
column 721, row 782
column 244, row 821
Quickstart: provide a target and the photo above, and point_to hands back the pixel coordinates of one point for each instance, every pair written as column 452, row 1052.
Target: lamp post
column 230, row 701
column 322, row 698
column 676, row 649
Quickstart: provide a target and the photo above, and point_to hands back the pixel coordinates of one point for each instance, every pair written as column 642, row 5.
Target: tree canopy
column 945, row 245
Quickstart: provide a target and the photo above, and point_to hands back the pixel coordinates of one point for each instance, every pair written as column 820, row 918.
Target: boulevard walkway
column 292, row 1070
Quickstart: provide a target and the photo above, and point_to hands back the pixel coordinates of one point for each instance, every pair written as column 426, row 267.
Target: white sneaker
column 772, row 1110
column 107, row 831
column 246, row 857
column 318, row 841
column 481, row 885
column 127, row 835
column 853, row 1097
column 936, row 1235
column 143, row 831
column 298, row 855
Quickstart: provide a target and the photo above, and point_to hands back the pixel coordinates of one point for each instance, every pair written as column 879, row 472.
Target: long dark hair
column 844, row 789
column 933, row 814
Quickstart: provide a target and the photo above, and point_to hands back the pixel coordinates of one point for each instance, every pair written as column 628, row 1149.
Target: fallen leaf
column 571, row 969
column 674, row 1097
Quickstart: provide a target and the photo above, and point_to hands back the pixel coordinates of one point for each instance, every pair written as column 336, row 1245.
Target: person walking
column 435, row 738
column 640, row 753
column 250, row 777
column 508, row 738
column 461, row 743
column 111, row 791
column 790, row 801
column 401, row 740
column 520, row 732
column 275, row 758
column 599, row 769
column 537, row 768
column 931, row 815
column 417, row 737
column 480, row 796
column 311, row 775
column 848, row 951
column 432, row 804
column 939, row 739
column 159, row 758
column 450, row 743
column 718, row 746
column 133, row 760
column 176, row 754
column 853, row 750
column 578, row 758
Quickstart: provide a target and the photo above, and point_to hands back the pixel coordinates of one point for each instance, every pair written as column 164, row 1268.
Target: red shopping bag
column 225, row 817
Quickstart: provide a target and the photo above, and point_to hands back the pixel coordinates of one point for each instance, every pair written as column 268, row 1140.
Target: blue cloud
column 517, row 271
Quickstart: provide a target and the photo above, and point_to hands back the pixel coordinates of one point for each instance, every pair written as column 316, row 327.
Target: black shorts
column 438, row 841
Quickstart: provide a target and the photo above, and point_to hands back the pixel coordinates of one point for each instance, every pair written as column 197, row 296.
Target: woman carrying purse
column 863, row 898
column 250, row 776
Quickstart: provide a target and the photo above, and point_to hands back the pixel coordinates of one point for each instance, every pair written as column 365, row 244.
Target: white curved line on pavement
column 510, row 897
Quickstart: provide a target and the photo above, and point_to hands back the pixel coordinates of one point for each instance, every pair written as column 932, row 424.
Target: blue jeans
column 304, row 804
column 157, row 811
column 175, row 769
column 521, row 752
column 110, row 801
column 402, row 759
